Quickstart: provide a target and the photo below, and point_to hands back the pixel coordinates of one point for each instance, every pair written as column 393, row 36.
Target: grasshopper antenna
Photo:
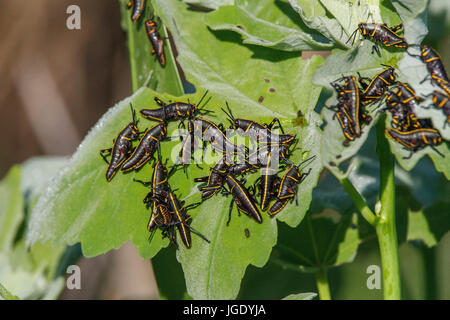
column 353, row 35
column 201, row 99
column 229, row 114
column 307, row 161
column 133, row 114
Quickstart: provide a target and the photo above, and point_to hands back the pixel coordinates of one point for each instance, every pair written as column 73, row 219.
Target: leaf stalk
column 385, row 226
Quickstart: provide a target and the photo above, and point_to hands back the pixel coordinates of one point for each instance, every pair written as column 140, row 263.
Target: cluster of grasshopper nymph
column 401, row 100
column 268, row 150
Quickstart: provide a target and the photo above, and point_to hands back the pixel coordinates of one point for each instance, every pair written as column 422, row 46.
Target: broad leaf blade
column 274, row 31
column 80, row 206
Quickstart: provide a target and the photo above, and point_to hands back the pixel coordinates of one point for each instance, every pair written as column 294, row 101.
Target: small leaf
column 301, row 296
column 6, row 295
column 37, row 172
column 210, row 4
column 429, row 224
column 169, row 276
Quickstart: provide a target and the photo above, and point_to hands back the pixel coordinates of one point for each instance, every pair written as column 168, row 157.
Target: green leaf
column 77, row 207
column 145, row 68
column 429, row 224
column 327, row 239
column 6, row 295
column 336, row 19
column 274, row 31
column 81, row 206
column 347, row 63
column 169, row 276
column 413, row 71
column 37, row 172
column 301, row 296
column 282, row 80
column 30, row 273
column 11, row 208
column 410, row 70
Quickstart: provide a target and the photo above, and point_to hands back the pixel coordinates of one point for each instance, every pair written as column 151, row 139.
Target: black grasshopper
column 435, row 68
column 442, row 101
column 345, row 122
column 241, row 167
column 243, row 199
column 288, row 186
column 188, row 145
column 380, row 34
column 405, row 95
column 208, row 131
column 138, row 9
column 262, row 156
column 167, row 211
column 377, row 86
column 181, row 219
column 268, row 159
column 349, row 100
column 401, row 104
column 268, row 184
column 156, row 41
column 261, row 133
column 416, row 139
column 161, row 218
column 146, row 147
column 213, row 182
column 157, row 198
column 174, row 110
column 159, row 183
column 122, row 148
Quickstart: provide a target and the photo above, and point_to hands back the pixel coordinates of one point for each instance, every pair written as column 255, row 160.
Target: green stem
column 385, row 226
column 430, row 281
column 132, row 54
column 358, row 200
column 322, row 284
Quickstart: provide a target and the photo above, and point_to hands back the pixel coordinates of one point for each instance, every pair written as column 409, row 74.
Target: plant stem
column 385, row 226
column 358, row 201
column 132, row 54
column 322, row 284
column 430, row 282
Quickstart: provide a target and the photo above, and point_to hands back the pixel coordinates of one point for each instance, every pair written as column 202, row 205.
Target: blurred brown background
column 56, row 83
column 56, row 80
